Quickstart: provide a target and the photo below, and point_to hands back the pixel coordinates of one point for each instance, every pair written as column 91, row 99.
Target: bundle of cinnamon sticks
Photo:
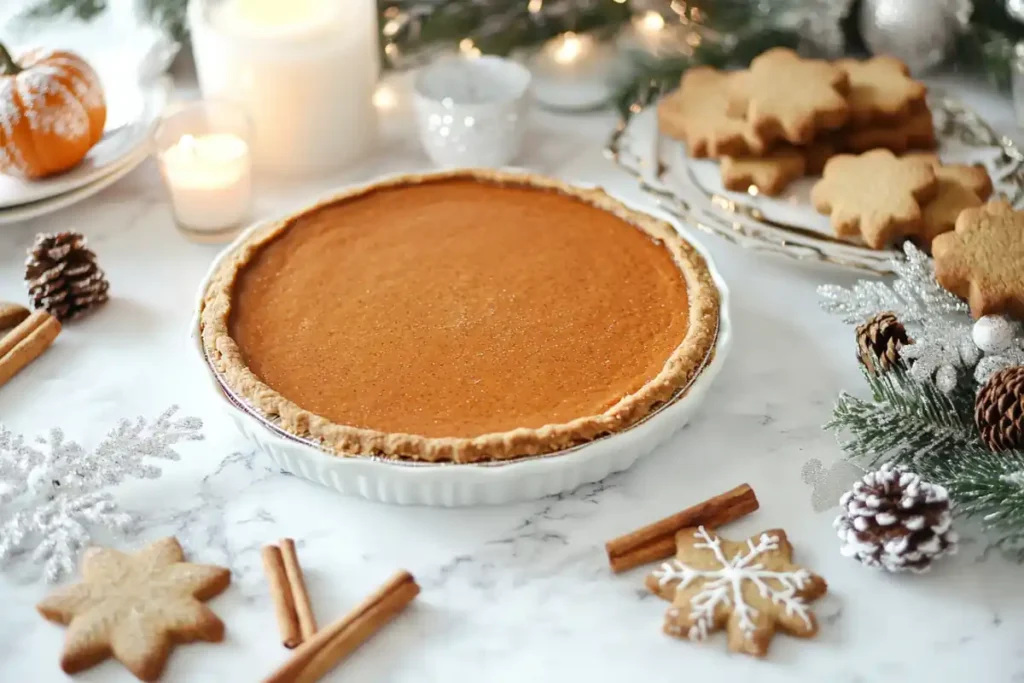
column 31, row 336
column 317, row 652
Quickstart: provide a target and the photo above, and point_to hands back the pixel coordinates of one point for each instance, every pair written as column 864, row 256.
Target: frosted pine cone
column 999, row 410
column 893, row 520
column 63, row 277
column 879, row 341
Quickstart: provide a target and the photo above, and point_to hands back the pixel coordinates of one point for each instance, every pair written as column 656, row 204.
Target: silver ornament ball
column 920, row 32
column 994, row 333
column 1015, row 8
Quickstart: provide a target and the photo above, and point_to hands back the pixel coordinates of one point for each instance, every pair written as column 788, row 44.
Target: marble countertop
column 512, row 593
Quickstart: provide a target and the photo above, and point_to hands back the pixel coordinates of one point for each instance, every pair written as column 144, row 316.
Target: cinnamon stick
column 657, row 541
column 25, row 343
column 280, row 591
column 12, row 315
column 297, row 583
column 332, row 643
column 361, row 630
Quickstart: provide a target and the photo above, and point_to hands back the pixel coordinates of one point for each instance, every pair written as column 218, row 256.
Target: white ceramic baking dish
column 410, row 483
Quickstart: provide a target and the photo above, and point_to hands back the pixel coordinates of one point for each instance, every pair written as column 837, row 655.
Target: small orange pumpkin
column 52, row 112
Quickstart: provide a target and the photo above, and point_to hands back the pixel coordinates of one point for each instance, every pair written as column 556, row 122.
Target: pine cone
column 63, row 277
column 879, row 341
column 999, row 410
column 893, row 520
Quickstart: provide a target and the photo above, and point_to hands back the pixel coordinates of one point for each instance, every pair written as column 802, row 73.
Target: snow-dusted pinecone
column 999, row 410
column 63, row 277
column 893, row 520
column 879, row 341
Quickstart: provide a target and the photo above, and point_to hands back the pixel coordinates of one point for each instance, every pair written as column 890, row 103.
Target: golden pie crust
column 464, row 316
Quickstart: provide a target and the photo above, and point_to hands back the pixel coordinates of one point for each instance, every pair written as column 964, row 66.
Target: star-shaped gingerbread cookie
column 959, row 187
column 136, row 607
column 917, row 132
column 881, row 89
column 981, row 260
column 750, row 588
column 973, row 177
column 698, row 114
column 786, row 96
column 770, row 174
column 875, row 196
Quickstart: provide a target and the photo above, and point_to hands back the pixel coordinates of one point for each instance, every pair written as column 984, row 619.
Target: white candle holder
column 203, row 152
column 304, row 70
column 575, row 72
column 472, row 111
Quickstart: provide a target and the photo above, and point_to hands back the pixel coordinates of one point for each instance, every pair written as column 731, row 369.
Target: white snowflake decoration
column 723, row 587
column 53, row 492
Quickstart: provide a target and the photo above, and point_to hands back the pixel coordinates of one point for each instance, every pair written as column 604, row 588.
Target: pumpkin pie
column 464, row 317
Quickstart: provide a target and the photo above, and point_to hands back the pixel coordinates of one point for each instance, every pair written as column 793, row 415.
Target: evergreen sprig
column 912, row 423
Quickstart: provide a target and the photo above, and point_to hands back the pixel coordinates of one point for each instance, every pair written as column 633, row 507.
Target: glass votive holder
column 575, row 72
column 203, row 150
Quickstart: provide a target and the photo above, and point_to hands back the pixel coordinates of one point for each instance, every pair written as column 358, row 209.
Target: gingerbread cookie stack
column 786, row 117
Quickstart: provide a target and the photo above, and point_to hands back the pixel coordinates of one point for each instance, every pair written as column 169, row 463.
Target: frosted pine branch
column 906, row 421
column 915, row 296
column 128, row 445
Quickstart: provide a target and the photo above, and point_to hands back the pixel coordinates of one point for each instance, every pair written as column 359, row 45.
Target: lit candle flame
column 384, row 98
column 652, row 22
column 469, row 48
column 569, row 49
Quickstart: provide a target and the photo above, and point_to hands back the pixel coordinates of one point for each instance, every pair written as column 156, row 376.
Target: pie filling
column 457, row 308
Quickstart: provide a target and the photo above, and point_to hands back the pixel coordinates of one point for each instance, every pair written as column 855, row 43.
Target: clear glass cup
column 203, row 150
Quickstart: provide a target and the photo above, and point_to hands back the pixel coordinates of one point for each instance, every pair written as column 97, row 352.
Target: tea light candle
column 650, row 31
column 649, row 34
column 304, row 70
column 574, row 71
column 209, row 181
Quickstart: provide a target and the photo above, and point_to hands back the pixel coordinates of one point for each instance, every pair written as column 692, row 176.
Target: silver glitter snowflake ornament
column 54, row 493
column 943, row 351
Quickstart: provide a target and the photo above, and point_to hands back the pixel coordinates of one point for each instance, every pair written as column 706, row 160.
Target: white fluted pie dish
column 405, row 482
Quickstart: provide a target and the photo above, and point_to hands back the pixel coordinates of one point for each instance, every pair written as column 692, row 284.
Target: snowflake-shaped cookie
column 874, row 196
column 698, row 114
column 748, row 587
column 881, row 89
column 785, row 96
column 981, row 259
column 135, row 607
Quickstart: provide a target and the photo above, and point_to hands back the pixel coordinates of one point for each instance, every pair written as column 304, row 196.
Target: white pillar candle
column 209, row 181
column 304, row 70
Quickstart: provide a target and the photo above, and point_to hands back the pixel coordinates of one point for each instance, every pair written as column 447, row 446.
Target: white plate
column 24, row 212
column 448, row 485
column 130, row 123
column 692, row 190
